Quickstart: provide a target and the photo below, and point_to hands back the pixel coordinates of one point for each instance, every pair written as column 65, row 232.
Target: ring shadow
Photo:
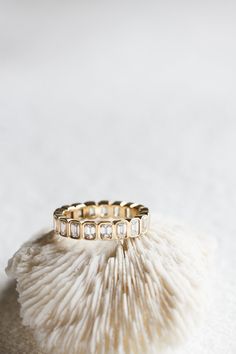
column 14, row 337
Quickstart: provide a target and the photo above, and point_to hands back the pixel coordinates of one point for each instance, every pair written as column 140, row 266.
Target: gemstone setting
column 134, row 227
column 103, row 220
column 116, row 211
column 92, row 211
column 63, row 227
column 121, row 229
column 106, row 231
column 144, row 223
column 90, row 231
column 104, row 210
column 74, row 229
column 127, row 213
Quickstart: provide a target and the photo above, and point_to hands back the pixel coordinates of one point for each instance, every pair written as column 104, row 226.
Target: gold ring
column 101, row 221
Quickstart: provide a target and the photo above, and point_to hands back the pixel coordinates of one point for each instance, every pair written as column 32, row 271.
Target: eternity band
column 101, row 221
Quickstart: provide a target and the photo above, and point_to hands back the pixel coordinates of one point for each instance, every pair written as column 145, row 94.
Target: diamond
column 144, row 223
column 104, row 210
column 134, row 227
column 90, row 231
column 128, row 213
column 92, row 211
column 63, row 228
column 121, row 229
column 106, row 231
column 74, row 230
column 116, row 211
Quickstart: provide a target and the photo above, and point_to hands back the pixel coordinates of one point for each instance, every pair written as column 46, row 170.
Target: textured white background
column 122, row 100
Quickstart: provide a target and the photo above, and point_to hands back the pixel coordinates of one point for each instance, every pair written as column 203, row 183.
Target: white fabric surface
column 123, row 100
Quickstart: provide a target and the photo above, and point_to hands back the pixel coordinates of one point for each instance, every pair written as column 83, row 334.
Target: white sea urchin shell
column 82, row 297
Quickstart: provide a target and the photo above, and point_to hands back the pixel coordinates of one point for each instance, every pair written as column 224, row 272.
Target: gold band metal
column 101, row 221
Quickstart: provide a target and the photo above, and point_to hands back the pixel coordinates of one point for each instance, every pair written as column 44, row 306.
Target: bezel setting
column 134, row 227
column 101, row 221
column 89, row 230
column 105, row 230
column 121, row 229
column 74, row 229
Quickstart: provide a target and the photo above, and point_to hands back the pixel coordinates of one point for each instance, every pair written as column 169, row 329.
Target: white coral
column 86, row 297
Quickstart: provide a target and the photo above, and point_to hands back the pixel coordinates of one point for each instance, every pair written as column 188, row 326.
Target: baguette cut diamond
column 63, row 228
column 106, row 231
column 134, row 227
column 121, row 229
column 144, row 223
column 116, row 211
column 89, row 231
column 74, row 230
column 128, row 213
column 104, row 210
column 92, row 211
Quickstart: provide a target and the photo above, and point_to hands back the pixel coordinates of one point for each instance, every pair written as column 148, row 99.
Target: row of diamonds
column 101, row 209
column 103, row 230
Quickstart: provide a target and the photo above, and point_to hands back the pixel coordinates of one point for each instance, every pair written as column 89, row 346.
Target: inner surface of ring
column 90, row 210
